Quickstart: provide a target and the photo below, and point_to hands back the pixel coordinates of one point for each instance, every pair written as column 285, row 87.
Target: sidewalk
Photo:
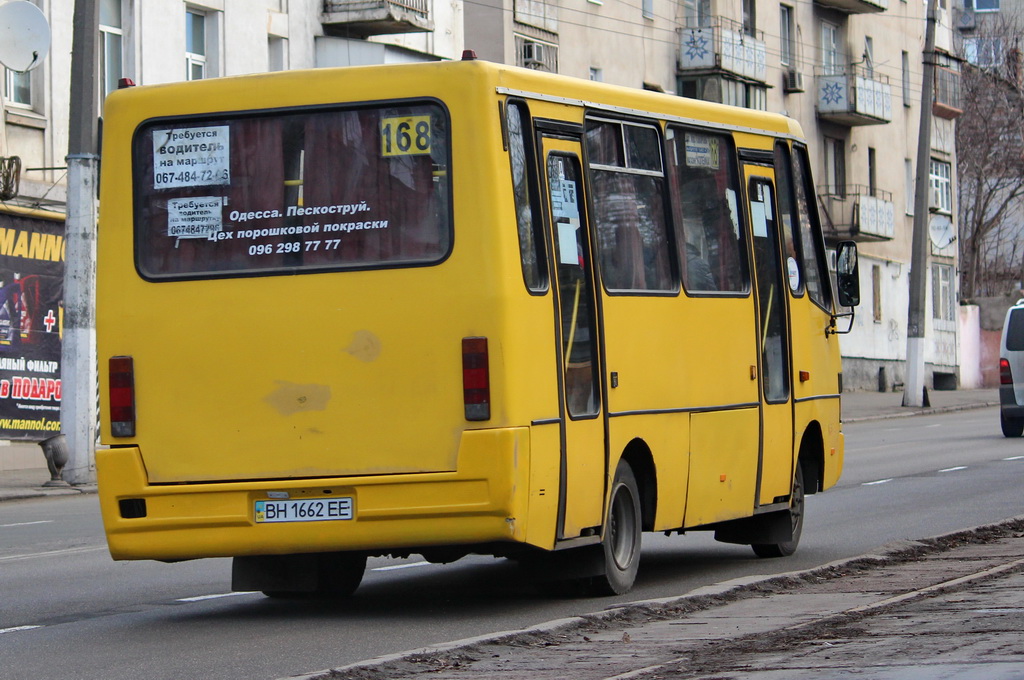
column 27, row 479
column 948, row 607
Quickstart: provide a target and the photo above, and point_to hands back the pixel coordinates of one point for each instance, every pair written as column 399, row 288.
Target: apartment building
column 849, row 70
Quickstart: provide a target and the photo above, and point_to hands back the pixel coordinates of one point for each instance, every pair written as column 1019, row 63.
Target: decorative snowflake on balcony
column 696, row 46
column 832, row 93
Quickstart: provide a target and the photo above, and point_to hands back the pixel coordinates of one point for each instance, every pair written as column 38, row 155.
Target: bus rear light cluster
column 122, row 396
column 1005, row 375
column 476, row 379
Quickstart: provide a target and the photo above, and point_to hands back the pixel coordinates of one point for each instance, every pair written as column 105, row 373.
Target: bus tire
column 796, row 514
column 622, row 533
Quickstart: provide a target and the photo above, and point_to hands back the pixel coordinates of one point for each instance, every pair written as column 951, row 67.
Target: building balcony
column 720, row 45
column 854, row 98
column 856, row 213
column 362, row 18
column 946, row 102
column 855, row 6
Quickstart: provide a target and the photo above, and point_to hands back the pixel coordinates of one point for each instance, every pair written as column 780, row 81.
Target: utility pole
column 78, row 408
column 915, row 393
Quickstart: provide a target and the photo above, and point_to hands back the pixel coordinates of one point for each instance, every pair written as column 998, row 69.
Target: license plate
column 305, row 510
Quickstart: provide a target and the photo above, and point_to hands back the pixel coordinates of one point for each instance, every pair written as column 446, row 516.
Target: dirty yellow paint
column 290, row 398
column 365, row 346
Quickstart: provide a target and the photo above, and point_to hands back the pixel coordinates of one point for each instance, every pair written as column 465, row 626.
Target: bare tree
column 990, row 162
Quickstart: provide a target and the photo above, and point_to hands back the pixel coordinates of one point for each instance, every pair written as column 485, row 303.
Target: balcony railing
column 855, row 212
column 946, row 103
column 376, row 17
column 854, row 97
column 718, row 44
column 856, row 6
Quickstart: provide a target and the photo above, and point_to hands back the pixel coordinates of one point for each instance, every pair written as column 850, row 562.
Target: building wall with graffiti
column 32, row 249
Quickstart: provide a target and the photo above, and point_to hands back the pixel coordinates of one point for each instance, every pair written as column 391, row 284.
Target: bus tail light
column 1005, row 375
column 476, row 379
column 122, row 396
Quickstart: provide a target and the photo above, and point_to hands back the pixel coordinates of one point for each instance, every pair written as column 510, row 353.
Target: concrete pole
column 78, row 408
column 915, row 393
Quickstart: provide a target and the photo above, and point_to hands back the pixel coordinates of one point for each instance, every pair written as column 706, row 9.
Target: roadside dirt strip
column 955, row 600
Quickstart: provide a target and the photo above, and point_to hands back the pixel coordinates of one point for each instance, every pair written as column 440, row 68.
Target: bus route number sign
column 305, row 510
column 405, row 136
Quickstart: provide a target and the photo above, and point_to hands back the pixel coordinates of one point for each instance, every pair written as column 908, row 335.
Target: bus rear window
column 292, row 192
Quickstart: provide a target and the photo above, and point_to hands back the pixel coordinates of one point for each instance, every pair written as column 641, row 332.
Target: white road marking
column 17, row 628
column 1014, row 458
column 201, row 598
column 880, row 481
column 25, row 524
column 954, row 469
column 52, row 553
column 407, row 565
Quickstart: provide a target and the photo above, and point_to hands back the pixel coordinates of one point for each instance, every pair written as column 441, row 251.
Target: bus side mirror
column 847, row 274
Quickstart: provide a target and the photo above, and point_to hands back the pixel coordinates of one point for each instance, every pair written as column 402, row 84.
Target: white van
column 1011, row 372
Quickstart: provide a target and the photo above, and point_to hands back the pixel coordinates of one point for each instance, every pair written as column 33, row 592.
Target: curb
column 701, row 598
column 921, row 412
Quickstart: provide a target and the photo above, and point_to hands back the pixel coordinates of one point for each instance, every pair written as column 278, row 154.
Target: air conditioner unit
column 793, row 81
column 535, row 55
column 935, row 200
column 965, row 20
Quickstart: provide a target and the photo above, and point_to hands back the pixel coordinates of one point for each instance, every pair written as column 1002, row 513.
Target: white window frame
column 940, row 185
column 787, row 51
column 830, row 49
column 984, row 52
column 111, row 36
column 209, row 59
column 943, row 296
column 11, row 79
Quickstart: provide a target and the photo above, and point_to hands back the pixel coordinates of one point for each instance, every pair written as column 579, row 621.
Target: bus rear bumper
column 482, row 501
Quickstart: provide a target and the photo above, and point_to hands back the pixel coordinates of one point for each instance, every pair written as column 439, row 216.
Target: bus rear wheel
column 1012, row 427
column 622, row 533
column 796, row 515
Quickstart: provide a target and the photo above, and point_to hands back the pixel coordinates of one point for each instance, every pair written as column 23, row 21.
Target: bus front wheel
column 796, row 514
column 622, row 532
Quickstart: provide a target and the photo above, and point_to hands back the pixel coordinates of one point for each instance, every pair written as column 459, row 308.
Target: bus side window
column 812, row 242
column 705, row 190
column 791, row 245
column 628, row 191
column 531, row 242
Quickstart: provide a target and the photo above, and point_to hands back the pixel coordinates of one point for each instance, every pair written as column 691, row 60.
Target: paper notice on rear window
column 191, row 157
column 199, row 217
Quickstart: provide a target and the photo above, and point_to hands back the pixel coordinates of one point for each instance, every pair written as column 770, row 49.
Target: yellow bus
column 457, row 308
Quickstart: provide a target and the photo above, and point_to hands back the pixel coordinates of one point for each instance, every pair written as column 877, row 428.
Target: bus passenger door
column 583, row 466
column 775, row 467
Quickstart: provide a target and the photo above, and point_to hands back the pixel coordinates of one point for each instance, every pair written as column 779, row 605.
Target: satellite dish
column 941, row 231
column 24, row 35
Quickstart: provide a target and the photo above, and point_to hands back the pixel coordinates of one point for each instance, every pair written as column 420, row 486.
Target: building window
column 749, row 17
column 983, row 5
column 786, row 55
column 696, row 13
column 596, row 75
column 18, row 88
column 906, row 79
column 277, row 53
column 111, row 46
column 830, row 49
column 195, row 45
column 648, row 9
column 835, row 166
column 869, row 56
column 943, row 294
column 876, row 295
column 941, row 193
column 908, row 185
column 984, row 52
column 724, row 91
column 872, row 171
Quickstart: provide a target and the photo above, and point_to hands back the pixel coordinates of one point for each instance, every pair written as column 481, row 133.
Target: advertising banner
column 31, row 314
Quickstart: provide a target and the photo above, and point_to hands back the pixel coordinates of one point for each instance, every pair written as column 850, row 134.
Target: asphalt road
column 68, row 611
